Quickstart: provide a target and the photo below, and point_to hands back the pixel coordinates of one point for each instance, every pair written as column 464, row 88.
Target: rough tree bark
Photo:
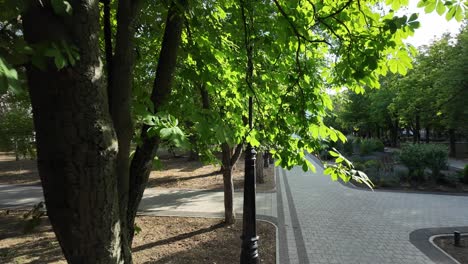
column 229, row 159
column 83, row 127
column 76, row 142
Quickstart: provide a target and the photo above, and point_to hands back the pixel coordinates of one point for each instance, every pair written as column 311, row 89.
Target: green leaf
column 440, row 7
column 61, row 7
column 430, row 7
column 8, row 78
column 459, row 13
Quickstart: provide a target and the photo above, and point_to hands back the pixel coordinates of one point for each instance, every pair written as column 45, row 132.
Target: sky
column 432, row 25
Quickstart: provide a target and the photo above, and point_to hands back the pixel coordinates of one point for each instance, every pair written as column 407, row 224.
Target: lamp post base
column 249, row 254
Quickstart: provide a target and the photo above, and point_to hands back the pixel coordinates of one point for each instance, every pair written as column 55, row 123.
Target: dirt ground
column 459, row 253
column 181, row 173
column 17, row 172
column 177, row 172
column 162, row 240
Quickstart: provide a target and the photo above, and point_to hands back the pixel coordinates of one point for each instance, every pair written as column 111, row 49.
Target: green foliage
column 16, row 125
column 345, row 170
column 435, row 158
column 8, row 77
column 369, row 145
column 417, row 157
column 137, row 229
column 298, row 50
column 412, row 156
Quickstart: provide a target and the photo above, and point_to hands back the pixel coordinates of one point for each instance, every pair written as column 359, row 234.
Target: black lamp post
column 249, row 253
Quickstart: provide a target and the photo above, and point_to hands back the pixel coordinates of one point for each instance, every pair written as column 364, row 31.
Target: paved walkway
column 162, row 202
column 458, row 163
column 327, row 222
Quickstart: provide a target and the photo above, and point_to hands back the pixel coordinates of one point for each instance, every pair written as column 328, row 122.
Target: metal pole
column 249, row 253
column 456, row 238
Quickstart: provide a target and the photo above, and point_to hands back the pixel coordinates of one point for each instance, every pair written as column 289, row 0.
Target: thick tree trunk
column 141, row 164
column 259, row 168
column 229, row 214
column 76, row 143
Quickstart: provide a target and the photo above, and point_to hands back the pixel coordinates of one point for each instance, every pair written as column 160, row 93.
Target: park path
column 156, row 201
column 327, row 222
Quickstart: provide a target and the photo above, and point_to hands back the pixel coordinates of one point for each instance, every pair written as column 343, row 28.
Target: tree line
column 430, row 98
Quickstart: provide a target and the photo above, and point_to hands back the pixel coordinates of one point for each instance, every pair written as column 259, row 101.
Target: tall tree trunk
column 259, row 168
column 452, row 145
column 120, row 74
column 266, row 157
column 229, row 214
column 141, row 164
column 76, row 143
column 394, row 131
column 428, row 131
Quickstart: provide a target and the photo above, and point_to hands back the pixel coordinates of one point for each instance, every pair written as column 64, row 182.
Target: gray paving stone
column 343, row 225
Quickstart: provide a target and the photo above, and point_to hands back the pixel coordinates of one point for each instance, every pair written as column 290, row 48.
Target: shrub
column 359, row 165
column 435, row 158
column 412, row 156
column 369, row 145
column 417, row 157
column 391, row 180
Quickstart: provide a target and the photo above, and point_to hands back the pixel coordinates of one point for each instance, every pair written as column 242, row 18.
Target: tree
column 16, row 125
column 83, row 111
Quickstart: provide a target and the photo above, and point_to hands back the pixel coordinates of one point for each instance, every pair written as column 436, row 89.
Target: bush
column 412, row 156
column 417, row 157
column 435, row 158
column 369, row 145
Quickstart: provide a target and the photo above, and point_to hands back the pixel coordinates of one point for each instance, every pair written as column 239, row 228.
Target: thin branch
column 337, row 11
column 294, row 28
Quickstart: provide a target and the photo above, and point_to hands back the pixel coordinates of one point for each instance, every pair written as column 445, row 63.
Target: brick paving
column 338, row 224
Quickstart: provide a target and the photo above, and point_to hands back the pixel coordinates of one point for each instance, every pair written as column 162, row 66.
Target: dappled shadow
column 41, row 250
column 220, row 245
column 38, row 246
column 17, row 172
column 168, row 201
column 178, row 238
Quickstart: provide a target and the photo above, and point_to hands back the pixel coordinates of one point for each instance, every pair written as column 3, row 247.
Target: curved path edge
column 420, row 238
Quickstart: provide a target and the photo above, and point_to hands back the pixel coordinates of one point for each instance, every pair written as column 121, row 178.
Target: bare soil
column 458, row 253
column 162, row 240
column 17, row 172
column 177, row 173
column 181, row 173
